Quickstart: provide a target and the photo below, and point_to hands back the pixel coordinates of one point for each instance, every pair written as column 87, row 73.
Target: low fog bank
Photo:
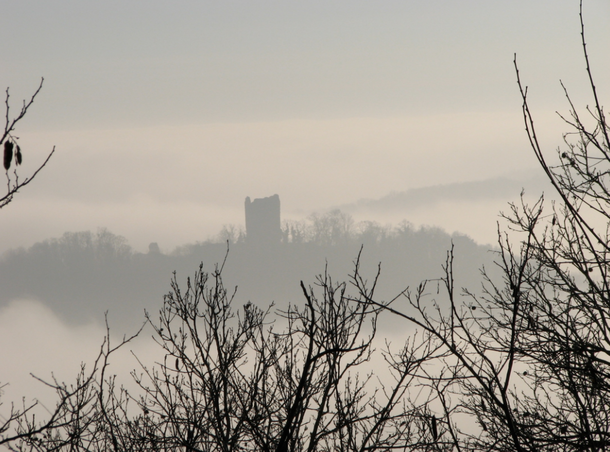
column 503, row 188
column 42, row 345
column 472, row 208
column 81, row 275
column 45, row 347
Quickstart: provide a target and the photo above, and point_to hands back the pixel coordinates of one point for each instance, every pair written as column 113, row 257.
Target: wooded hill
column 83, row 274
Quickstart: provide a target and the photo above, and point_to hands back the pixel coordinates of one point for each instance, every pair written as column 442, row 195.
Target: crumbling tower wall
column 263, row 225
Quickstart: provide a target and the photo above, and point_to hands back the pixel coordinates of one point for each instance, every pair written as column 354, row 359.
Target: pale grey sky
column 166, row 115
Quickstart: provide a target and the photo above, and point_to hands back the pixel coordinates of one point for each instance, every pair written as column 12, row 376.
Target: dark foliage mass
column 82, row 275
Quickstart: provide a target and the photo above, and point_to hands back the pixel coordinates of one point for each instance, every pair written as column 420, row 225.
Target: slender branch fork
column 14, row 184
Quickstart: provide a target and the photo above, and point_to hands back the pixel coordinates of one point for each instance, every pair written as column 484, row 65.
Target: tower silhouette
column 263, row 225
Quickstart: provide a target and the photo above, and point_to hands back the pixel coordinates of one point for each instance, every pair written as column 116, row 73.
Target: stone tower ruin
column 263, row 220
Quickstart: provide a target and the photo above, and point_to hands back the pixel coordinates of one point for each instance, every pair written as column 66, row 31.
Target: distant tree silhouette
column 12, row 152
